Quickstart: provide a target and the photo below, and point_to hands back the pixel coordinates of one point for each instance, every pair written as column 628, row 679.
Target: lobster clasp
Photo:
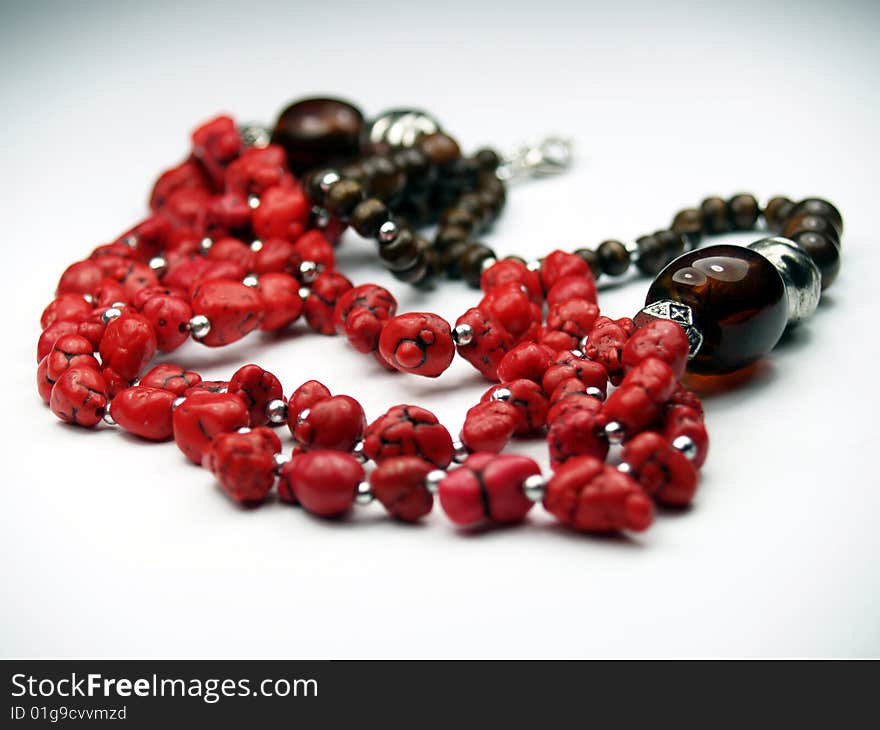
column 549, row 156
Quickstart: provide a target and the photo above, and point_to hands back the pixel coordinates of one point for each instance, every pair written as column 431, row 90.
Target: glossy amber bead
column 318, row 131
column 737, row 301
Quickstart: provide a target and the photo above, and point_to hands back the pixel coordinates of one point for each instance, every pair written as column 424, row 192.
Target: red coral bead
column 660, row 338
column 512, row 307
column 79, row 396
column 324, row 482
column 487, row 487
column 361, row 314
column 234, row 250
column 188, row 175
column 559, row 264
column 570, row 364
column 202, row 417
column 82, row 277
column 307, row 395
column 511, row 270
column 128, row 344
column 569, row 288
column 44, row 385
column 418, row 343
column 663, row 471
column 491, row 342
column 557, row 340
column 256, row 387
column 574, row 430
column 148, row 238
column 283, row 213
column 244, row 463
column 225, row 215
column 283, row 303
column 408, row 430
column 336, row 423
column 320, row 304
column 115, row 382
column 528, row 399
column 605, row 342
column 276, row 254
column 637, row 402
column 232, row 308
column 398, row 484
column 216, row 144
column 256, row 170
column 587, row 495
column 70, row 351
column 207, row 386
column 528, row 360
column 169, row 316
column 488, row 426
column 313, row 246
column 682, row 420
column 170, row 377
column 144, row 411
column 65, row 308
column 111, row 293
column 575, row 317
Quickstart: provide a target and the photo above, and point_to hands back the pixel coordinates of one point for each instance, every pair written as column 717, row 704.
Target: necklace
column 241, row 238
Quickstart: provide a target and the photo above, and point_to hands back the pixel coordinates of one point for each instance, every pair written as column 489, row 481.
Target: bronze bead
column 368, row 216
column 343, row 197
column 613, row 257
column 689, row 222
column 744, row 211
column 808, row 222
column 822, row 208
column 716, row 215
column 318, row 131
column 823, row 251
column 777, row 211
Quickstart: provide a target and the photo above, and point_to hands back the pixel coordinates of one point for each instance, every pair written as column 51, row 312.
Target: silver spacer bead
column 88, row 298
column 253, row 202
column 256, row 245
column 108, row 419
column 206, row 244
column 177, row 402
column 462, row 334
column 130, row 240
column 244, row 429
column 460, row 452
column 578, row 354
column 501, row 394
column 803, row 282
column 686, row 445
column 255, row 135
column 595, row 392
column 303, row 416
column 433, row 479
column 534, row 265
column 199, row 326
column 277, row 411
column 624, row 468
column 110, row 314
column 364, row 494
column 308, row 271
column 320, row 216
column 358, row 452
column 328, row 180
column 304, row 292
column 280, row 461
column 614, row 432
column 488, row 263
column 118, row 305
column 582, row 345
column 251, row 280
column 387, row 232
column 158, row 264
column 534, row 487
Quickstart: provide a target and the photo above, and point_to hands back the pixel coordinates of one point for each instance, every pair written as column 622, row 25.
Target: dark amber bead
column 318, row 131
column 777, row 211
column 737, row 300
column 451, row 257
column 440, row 148
column 448, row 235
column 689, row 222
column 822, row 208
column 744, row 211
column 813, row 223
column 652, row 255
column 401, row 253
column 385, row 180
column 716, row 215
column 487, row 159
column 613, row 257
column 368, row 216
column 673, row 244
column 824, row 253
column 470, row 264
column 343, row 197
column 592, row 259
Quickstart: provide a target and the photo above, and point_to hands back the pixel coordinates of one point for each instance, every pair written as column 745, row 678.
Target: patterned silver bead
column 462, row 334
column 251, row 280
column 803, row 282
column 281, row 460
column 534, row 487
column 387, row 232
column 402, row 127
column 199, row 326
column 110, row 314
column 277, row 411
column 308, row 271
column 614, row 432
column 364, row 494
column 686, row 445
column 460, row 452
column 433, row 479
column 158, row 264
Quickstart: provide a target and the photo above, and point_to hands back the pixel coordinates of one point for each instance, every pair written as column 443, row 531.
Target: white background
column 112, row 547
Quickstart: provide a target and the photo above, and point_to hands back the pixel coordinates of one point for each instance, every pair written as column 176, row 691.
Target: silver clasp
column 549, row 156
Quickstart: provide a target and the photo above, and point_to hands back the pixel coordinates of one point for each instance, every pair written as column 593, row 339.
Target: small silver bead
column 206, row 244
column 256, row 245
column 108, row 419
column 624, row 468
column 130, row 240
column 614, row 432
column 308, row 271
column 488, row 263
column 534, row 487
column 328, row 180
column 433, row 479
column 501, row 394
column 304, row 292
column 110, row 314
column 582, row 345
column 320, row 217
column 251, row 280
column 199, row 326
column 358, row 452
column 595, row 392
column 244, row 429
column 118, row 305
column 303, row 416
column 177, row 402
column 158, row 264
column 280, row 461
column 462, row 334
column 578, row 354
column 686, row 445
column 277, row 411
column 364, row 494
column 89, row 298
column 253, row 202
column 534, row 265
column 387, row 232
column 460, row 452
column 255, row 135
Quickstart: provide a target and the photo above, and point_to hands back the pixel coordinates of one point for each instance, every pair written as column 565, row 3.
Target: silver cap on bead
column 308, row 271
column 251, row 280
column 158, row 264
column 595, row 392
column 803, row 282
column 387, row 232
column 110, row 314
column 501, row 394
column 358, row 452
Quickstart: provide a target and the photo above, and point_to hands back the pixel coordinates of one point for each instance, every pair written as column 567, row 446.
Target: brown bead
column 487, row 159
column 737, row 299
column 777, row 211
column 744, row 211
column 343, row 197
column 471, row 262
column 652, row 255
column 458, row 217
column 592, row 259
column 613, row 257
column 318, row 131
column 418, row 273
column 385, row 180
column 716, row 215
column 822, row 208
column 823, row 251
column 689, row 222
column 452, row 256
column 447, row 235
column 415, row 164
column 813, row 223
column 673, row 244
column 441, row 149
column 368, row 216
column 312, row 184
column 401, row 253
